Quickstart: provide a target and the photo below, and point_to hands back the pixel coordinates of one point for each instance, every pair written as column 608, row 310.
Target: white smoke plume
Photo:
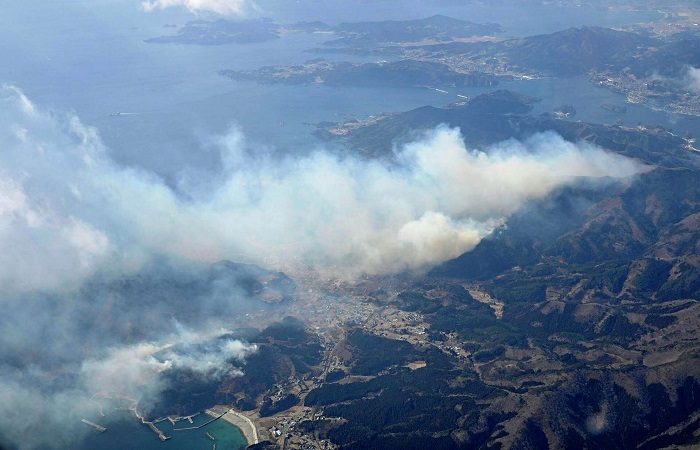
column 67, row 210
column 693, row 79
column 223, row 7
column 33, row 417
column 129, row 371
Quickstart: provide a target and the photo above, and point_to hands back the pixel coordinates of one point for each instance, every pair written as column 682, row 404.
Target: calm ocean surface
column 93, row 61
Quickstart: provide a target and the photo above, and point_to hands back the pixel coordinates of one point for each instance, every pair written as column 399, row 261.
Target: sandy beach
column 250, row 432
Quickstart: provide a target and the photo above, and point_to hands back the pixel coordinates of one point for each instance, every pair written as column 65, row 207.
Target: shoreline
column 240, row 421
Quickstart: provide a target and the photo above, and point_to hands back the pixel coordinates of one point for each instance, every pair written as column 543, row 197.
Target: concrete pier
column 99, row 428
column 155, row 429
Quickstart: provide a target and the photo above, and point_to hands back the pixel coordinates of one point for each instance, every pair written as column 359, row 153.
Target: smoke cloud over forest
column 70, row 214
column 68, row 210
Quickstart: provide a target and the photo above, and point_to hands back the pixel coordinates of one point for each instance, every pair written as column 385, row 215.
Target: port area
column 216, row 417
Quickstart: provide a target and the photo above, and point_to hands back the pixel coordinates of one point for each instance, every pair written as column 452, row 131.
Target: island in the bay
column 653, row 66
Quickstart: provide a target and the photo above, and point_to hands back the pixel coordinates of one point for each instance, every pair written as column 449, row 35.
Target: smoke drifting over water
column 70, row 214
column 68, row 211
column 40, row 410
column 131, row 370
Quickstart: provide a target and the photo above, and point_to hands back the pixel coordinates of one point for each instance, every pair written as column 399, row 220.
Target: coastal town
column 656, row 94
column 497, row 58
column 329, row 308
column 333, row 313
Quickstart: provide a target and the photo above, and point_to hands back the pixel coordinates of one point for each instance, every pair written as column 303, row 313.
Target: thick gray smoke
column 67, row 210
column 69, row 213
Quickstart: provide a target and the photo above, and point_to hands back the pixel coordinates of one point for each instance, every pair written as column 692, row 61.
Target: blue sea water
column 125, row 432
column 90, row 58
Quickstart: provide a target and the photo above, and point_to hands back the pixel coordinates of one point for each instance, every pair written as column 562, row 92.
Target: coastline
column 247, row 427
